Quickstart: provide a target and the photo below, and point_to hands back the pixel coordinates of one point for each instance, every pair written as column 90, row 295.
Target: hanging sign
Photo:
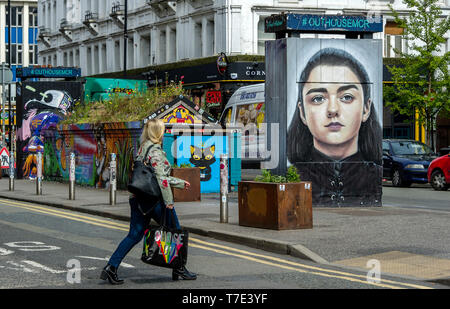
column 222, row 63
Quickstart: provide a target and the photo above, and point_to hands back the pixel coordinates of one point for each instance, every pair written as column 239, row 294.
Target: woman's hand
column 186, row 185
column 170, row 206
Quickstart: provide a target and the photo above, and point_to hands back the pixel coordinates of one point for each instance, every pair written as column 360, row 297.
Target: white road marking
column 4, row 252
column 20, row 267
column 40, row 266
column 105, row 259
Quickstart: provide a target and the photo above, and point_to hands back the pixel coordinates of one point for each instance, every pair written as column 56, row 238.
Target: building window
column 16, row 16
column 393, row 40
column 32, row 36
column 198, row 42
column 262, row 36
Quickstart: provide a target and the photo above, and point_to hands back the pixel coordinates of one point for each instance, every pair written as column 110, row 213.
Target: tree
column 421, row 80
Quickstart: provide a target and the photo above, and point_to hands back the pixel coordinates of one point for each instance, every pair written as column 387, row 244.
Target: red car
column 439, row 173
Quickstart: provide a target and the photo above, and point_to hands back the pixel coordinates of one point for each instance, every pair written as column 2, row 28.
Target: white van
column 246, row 108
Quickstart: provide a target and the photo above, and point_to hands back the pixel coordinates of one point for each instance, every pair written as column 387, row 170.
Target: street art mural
column 181, row 115
column 203, row 158
column 333, row 111
column 182, row 111
column 202, row 152
column 92, row 145
column 40, row 130
column 40, row 107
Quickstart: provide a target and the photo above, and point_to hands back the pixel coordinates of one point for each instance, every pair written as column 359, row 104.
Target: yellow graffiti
column 30, row 165
column 181, row 115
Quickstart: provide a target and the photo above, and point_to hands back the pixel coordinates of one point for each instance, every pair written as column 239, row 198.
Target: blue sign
column 323, row 23
column 48, row 72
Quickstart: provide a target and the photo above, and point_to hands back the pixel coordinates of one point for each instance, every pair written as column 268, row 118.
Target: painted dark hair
column 299, row 137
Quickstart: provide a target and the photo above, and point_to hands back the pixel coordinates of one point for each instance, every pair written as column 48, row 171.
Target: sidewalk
column 408, row 242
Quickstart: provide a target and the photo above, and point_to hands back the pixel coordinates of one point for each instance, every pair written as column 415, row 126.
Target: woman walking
column 143, row 211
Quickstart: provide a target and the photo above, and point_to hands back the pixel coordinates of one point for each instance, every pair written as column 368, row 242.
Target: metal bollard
column 11, row 172
column 112, row 179
column 72, row 177
column 224, row 188
column 39, row 174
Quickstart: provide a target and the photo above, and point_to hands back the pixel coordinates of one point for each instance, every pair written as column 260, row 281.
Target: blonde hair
column 153, row 130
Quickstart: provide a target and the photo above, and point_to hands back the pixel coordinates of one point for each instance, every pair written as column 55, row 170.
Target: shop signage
column 48, row 72
column 222, row 63
column 213, row 98
column 321, row 23
column 250, row 71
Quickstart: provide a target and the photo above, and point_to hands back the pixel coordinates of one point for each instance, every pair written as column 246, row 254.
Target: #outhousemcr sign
column 322, row 23
column 48, row 72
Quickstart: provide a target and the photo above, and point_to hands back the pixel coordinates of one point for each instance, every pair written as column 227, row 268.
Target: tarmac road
column 416, row 196
column 43, row 247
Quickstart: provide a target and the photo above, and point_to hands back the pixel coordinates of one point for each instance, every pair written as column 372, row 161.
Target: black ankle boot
column 110, row 273
column 183, row 273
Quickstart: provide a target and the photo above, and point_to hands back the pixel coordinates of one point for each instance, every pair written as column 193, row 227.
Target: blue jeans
column 138, row 224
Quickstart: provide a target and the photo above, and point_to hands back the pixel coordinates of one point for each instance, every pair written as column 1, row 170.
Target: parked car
column 406, row 161
column 439, row 173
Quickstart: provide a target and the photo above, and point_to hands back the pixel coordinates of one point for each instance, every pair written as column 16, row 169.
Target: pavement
column 409, row 243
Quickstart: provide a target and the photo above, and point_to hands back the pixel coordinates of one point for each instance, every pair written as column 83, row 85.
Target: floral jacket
column 157, row 158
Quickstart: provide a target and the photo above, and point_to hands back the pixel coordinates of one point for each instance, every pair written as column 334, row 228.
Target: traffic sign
column 4, row 157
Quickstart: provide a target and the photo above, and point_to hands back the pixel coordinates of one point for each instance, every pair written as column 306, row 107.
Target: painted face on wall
column 334, row 110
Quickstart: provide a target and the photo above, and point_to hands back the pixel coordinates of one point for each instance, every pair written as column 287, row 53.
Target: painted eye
column 318, row 99
column 347, row 98
column 196, row 157
column 208, row 157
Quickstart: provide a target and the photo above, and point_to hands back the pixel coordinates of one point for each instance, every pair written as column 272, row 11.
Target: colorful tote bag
column 165, row 246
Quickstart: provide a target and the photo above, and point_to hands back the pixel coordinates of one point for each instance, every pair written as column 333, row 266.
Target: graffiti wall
column 92, row 145
column 40, row 106
column 332, row 108
column 203, row 152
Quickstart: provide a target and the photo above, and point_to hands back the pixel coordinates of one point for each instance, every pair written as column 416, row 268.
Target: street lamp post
column 125, row 40
column 9, row 87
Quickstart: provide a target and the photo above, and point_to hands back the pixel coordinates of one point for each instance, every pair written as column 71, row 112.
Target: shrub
column 291, row 176
column 120, row 108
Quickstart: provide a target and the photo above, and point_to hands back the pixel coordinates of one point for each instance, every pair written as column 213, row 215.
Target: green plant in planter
column 291, row 176
column 183, row 165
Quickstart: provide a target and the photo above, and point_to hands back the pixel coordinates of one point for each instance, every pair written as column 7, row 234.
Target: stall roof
column 182, row 111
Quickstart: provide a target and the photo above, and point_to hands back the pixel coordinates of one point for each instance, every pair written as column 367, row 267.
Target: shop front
column 210, row 82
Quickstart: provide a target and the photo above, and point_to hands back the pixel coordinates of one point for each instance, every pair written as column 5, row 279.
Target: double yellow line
column 225, row 250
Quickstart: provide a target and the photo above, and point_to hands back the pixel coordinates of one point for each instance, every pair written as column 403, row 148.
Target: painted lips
column 334, row 126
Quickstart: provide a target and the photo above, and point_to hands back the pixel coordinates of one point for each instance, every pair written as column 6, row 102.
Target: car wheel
column 397, row 180
column 438, row 181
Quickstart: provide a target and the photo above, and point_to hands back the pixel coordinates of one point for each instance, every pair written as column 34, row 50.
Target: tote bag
column 165, row 246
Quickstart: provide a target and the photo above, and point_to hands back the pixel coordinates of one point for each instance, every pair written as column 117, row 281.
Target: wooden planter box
column 275, row 206
column 192, row 175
